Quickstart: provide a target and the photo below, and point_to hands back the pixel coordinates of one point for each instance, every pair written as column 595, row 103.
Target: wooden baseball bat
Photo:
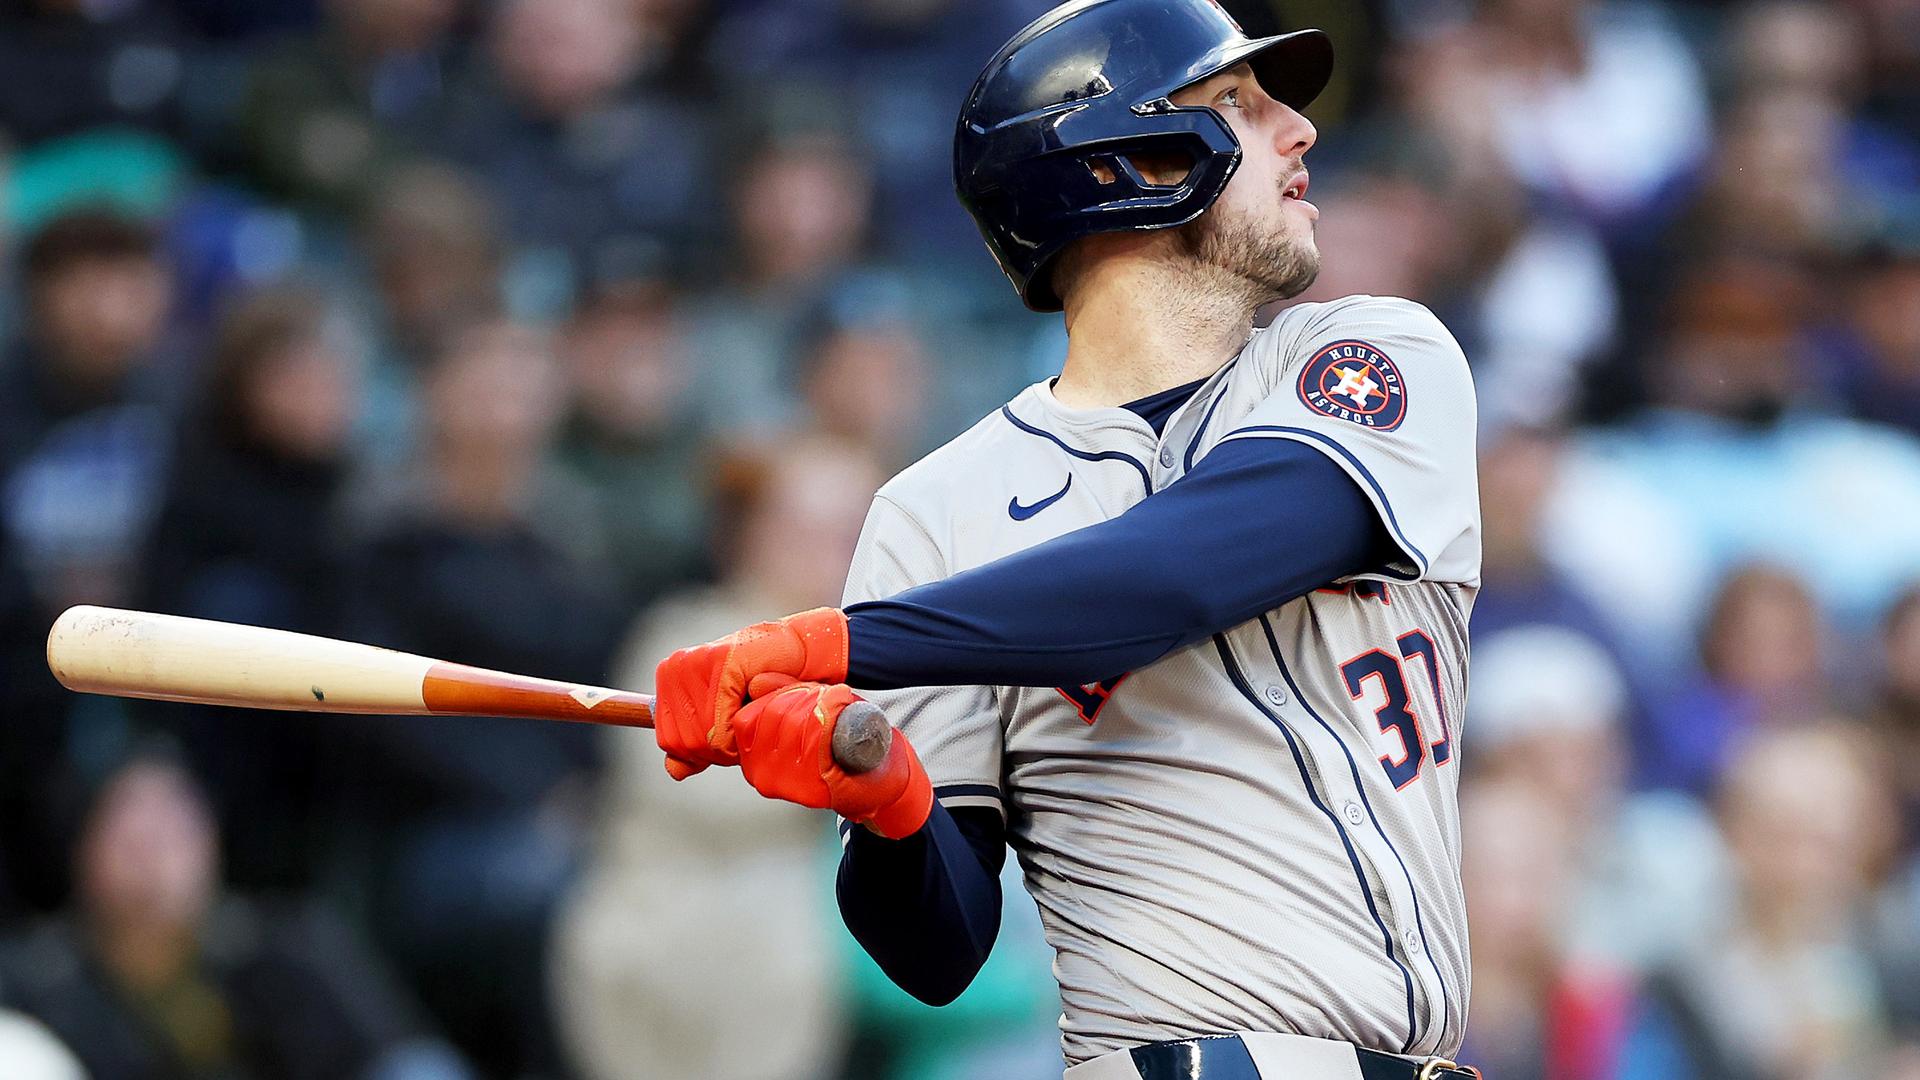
column 141, row 654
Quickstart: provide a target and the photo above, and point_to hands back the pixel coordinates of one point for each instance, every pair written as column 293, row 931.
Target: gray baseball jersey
column 1257, row 832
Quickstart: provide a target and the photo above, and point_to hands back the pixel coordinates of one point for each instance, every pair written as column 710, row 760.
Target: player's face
column 1261, row 228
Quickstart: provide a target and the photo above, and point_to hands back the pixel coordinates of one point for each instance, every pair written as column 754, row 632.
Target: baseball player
column 1184, row 626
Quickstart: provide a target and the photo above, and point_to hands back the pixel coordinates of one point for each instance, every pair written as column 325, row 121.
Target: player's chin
column 1306, row 280
column 1300, row 279
column 1292, row 269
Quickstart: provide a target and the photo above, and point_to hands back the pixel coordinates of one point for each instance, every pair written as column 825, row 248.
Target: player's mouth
column 1296, row 191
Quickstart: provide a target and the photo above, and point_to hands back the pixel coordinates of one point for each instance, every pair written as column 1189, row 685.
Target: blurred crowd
column 549, row 335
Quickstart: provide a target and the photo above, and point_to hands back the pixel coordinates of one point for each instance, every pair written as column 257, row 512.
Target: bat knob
column 861, row 737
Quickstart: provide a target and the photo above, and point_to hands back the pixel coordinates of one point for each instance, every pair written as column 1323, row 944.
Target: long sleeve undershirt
column 1256, row 523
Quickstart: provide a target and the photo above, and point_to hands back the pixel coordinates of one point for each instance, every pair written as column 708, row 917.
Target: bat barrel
column 171, row 658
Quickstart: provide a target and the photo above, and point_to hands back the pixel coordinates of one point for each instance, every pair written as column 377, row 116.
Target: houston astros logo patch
column 1353, row 381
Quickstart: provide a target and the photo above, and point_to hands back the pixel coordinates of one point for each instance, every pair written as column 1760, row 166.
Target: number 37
column 1396, row 713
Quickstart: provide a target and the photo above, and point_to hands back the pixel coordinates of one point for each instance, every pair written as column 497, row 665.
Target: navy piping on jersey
column 1146, row 478
column 1393, row 523
column 1366, row 891
column 1194, row 446
column 947, row 791
column 950, row 790
column 1446, row 1007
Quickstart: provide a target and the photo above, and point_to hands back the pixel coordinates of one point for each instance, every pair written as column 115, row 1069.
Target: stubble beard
column 1270, row 267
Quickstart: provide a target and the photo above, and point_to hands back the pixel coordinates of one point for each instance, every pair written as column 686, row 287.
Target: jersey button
column 1276, row 695
column 1166, row 457
column 1354, row 814
column 1411, row 939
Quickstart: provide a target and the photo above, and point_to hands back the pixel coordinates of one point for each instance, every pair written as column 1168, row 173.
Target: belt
column 1228, row 1057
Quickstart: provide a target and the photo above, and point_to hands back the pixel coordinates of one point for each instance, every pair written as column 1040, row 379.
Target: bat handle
column 861, row 738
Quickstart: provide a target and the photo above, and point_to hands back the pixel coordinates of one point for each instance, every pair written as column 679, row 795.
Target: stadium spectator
column 1785, row 986
column 801, row 214
column 592, row 169
column 896, row 69
column 1795, row 45
column 1520, row 468
column 1749, row 206
column 636, row 436
column 1763, row 663
column 158, row 974
column 1444, row 217
column 84, row 433
column 1538, row 1013
column 98, row 293
column 1766, row 645
column 696, row 854
column 1734, row 346
column 1813, row 49
column 437, row 262
column 1547, row 710
column 247, row 533
column 865, row 377
column 481, row 554
column 331, row 116
column 436, row 251
column 1876, row 357
column 1598, row 108
column 1741, row 469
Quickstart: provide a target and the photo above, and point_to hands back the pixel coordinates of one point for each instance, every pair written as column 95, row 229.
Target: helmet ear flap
column 1150, row 179
column 1044, row 178
column 1145, row 181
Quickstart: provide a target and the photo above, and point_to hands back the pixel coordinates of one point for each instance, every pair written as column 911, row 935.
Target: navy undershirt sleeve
column 927, row 908
column 1256, row 523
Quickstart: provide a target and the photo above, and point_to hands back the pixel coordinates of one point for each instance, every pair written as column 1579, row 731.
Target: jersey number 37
column 1396, row 714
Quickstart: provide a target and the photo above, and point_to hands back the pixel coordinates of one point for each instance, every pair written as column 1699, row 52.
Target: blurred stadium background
column 470, row 327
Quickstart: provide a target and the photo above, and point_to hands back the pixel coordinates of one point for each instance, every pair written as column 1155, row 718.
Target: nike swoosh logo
column 1022, row 513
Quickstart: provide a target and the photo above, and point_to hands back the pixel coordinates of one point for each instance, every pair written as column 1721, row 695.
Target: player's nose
column 1293, row 134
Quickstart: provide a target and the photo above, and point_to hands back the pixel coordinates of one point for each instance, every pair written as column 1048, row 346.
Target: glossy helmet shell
column 1089, row 82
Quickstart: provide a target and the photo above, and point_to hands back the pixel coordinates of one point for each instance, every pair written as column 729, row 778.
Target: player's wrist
column 825, row 644
column 908, row 813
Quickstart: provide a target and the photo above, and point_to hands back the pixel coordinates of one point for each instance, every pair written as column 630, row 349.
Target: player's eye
column 1231, row 99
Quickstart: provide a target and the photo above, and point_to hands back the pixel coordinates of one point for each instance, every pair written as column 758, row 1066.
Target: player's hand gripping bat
column 140, row 654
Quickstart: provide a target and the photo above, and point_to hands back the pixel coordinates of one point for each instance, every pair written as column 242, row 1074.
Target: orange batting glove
column 785, row 746
column 697, row 691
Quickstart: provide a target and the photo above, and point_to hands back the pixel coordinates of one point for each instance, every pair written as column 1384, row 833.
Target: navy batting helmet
column 1090, row 81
